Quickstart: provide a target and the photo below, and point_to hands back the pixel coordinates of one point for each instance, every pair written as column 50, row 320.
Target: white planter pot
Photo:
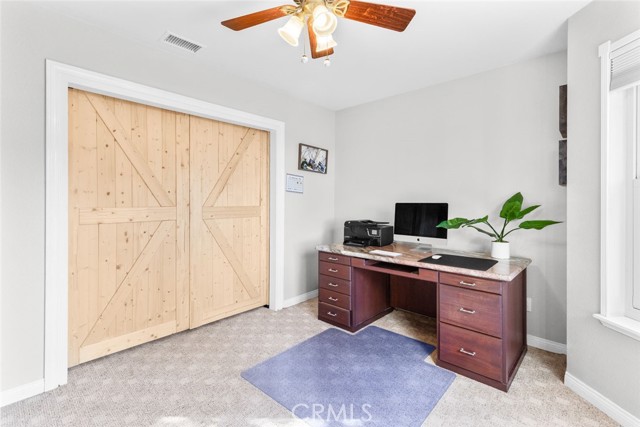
column 500, row 250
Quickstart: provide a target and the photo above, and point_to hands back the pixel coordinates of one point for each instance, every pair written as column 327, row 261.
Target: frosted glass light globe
column 324, row 22
column 290, row 32
column 325, row 42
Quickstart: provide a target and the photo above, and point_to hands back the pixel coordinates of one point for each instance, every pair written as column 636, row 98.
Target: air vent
column 181, row 42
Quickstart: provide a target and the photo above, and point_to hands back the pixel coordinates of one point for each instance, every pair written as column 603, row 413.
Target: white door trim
column 60, row 77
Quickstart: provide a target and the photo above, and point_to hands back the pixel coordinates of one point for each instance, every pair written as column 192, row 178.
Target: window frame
column 617, row 201
column 633, row 309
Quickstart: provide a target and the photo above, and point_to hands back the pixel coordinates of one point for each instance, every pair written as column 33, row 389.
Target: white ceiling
column 446, row 40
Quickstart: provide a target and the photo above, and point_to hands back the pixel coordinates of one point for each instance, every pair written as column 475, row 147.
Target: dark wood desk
column 481, row 317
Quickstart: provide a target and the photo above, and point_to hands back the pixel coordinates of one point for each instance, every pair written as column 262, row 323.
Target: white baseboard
column 22, row 392
column 592, row 396
column 300, row 298
column 547, row 345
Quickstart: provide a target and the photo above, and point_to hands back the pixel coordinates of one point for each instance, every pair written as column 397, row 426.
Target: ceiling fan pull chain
column 304, row 59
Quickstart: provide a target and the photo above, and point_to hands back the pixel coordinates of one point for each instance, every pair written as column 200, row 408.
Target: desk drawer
column 468, row 282
column 333, row 284
column 331, row 257
column 470, row 350
column 335, row 270
column 335, row 298
column 475, row 310
column 334, row 314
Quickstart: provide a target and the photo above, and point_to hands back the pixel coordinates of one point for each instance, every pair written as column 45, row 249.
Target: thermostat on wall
column 295, row 183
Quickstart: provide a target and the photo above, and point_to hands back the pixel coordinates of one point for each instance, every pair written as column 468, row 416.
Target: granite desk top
column 412, row 253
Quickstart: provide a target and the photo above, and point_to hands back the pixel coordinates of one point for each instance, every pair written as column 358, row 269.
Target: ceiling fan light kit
column 321, row 20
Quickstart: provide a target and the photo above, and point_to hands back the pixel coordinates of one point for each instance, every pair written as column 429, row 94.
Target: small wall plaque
column 295, row 183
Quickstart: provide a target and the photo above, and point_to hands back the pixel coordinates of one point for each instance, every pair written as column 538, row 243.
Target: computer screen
column 416, row 222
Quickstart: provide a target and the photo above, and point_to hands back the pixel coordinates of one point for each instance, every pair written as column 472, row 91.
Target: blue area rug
column 373, row 378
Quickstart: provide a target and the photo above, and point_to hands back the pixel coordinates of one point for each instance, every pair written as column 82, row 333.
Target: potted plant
column 511, row 211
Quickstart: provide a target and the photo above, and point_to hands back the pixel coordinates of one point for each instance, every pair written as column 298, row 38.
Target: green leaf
column 453, row 223
column 483, row 231
column 527, row 211
column 477, row 221
column 511, row 207
column 537, row 224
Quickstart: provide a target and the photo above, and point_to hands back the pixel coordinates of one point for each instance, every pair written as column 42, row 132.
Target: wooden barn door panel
column 128, row 224
column 229, row 219
column 168, row 223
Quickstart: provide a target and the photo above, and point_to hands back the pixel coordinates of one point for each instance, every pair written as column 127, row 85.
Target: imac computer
column 416, row 222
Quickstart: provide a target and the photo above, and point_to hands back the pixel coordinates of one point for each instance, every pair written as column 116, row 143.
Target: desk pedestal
column 351, row 300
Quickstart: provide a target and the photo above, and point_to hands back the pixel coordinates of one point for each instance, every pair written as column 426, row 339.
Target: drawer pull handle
column 464, row 310
column 335, row 314
column 462, row 282
column 333, row 299
column 333, row 270
column 332, row 259
column 470, row 353
column 332, row 284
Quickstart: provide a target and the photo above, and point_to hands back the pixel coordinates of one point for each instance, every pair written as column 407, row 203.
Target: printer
column 365, row 232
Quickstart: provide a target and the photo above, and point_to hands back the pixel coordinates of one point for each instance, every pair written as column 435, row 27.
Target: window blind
column 625, row 65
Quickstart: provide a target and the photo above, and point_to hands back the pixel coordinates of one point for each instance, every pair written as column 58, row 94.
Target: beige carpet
column 193, row 379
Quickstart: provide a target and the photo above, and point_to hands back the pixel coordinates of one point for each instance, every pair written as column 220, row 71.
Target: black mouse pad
column 462, row 262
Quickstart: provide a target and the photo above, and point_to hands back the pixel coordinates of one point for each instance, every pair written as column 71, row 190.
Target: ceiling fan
column 321, row 19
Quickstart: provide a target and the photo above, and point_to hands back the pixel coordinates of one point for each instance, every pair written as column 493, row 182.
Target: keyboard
column 384, row 253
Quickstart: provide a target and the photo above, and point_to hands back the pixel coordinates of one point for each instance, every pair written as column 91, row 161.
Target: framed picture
column 312, row 159
column 562, row 149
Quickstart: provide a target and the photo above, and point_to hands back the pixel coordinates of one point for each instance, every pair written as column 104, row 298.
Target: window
column 620, row 201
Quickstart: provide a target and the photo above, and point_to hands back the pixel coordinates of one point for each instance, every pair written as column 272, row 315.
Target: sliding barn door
column 128, row 224
column 229, row 219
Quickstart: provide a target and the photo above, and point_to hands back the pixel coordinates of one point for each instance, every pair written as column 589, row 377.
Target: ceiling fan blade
column 389, row 17
column 313, row 42
column 252, row 19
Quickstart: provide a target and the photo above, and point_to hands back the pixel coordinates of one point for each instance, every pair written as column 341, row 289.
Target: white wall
column 604, row 360
column 472, row 143
column 30, row 34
